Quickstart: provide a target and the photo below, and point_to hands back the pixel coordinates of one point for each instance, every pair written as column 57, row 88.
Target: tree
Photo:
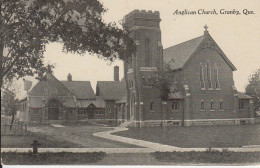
column 166, row 83
column 253, row 88
column 27, row 26
column 9, row 102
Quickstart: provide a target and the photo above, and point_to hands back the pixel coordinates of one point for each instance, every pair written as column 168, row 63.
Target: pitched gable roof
column 49, row 85
column 111, row 90
column 178, row 55
column 82, row 89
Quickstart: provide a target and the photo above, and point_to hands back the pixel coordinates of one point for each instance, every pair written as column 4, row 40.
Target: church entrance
column 53, row 110
column 91, row 111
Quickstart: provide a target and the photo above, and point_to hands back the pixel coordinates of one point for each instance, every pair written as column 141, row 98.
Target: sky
column 237, row 35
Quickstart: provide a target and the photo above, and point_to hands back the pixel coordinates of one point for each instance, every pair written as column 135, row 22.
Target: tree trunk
column 11, row 125
column 1, row 62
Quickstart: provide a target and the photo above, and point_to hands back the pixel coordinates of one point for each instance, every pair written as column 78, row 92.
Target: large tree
column 27, row 26
column 253, row 88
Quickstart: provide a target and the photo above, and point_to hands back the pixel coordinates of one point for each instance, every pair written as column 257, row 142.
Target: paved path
column 142, row 143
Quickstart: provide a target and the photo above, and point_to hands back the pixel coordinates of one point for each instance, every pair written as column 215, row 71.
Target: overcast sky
column 237, row 35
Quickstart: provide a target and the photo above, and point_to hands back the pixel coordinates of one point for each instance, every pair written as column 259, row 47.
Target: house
column 51, row 100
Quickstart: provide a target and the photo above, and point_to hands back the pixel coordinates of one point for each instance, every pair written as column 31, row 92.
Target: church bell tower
column 144, row 28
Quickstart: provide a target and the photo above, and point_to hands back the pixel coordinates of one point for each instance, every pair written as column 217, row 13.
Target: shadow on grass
column 62, row 158
column 208, row 157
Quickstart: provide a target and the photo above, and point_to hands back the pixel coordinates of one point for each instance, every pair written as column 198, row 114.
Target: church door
column 53, row 110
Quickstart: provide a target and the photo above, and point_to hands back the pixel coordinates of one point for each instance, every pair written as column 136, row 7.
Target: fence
column 17, row 126
column 16, row 129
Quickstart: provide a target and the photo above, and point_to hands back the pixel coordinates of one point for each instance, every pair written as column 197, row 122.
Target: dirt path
column 81, row 135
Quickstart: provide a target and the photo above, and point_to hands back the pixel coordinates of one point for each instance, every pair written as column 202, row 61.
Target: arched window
column 216, row 77
column 202, row 82
column 151, row 106
column 211, row 105
column 221, row 105
column 202, row 105
column 147, row 53
column 209, row 75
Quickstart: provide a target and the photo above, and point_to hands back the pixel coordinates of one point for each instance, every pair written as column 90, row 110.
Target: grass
column 208, row 157
column 62, row 158
column 198, row 136
column 24, row 141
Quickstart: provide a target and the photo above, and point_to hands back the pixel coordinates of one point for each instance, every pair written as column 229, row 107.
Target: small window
column 109, row 110
column 82, row 111
column 211, row 105
column 151, row 106
column 241, row 105
column 202, row 105
column 221, row 105
column 35, row 111
column 174, row 106
column 100, row 112
column 70, row 111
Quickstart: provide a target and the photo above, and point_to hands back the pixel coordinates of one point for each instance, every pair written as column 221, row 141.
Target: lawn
column 208, row 157
column 24, row 141
column 63, row 158
column 198, row 136
column 81, row 135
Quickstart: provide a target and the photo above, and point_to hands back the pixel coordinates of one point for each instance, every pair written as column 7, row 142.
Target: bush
column 14, row 158
column 208, row 157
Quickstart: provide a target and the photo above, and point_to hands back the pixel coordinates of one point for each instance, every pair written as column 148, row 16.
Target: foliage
column 165, row 81
column 253, row 88
column 69, row 158
column 9, row 103
column 208, row 157
column 27, row 26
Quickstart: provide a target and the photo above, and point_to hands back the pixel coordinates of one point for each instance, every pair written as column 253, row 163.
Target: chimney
column 116, row 73
column 69, row 78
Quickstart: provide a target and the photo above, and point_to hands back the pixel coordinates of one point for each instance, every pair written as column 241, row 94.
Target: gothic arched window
column 202, row 82
column 209, row 75
column 202, row 105
column 216, row 77
column 151, row 106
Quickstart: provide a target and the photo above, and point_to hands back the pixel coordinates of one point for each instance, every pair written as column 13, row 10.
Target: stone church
column 204, row 80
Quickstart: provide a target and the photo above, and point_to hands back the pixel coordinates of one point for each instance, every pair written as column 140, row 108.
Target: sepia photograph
column 130, row 82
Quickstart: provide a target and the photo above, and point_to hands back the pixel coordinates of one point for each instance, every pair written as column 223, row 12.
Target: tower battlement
column 142, row 14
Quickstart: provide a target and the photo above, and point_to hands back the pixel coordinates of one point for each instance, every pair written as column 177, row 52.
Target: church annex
column 203, row 73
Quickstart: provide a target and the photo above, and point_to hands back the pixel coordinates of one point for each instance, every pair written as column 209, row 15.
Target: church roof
column 176, row 95
column 243, row 96
column 111, row 90
column 178, row 55
column 122, row 100
column 98, row 103
column 82, row 89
